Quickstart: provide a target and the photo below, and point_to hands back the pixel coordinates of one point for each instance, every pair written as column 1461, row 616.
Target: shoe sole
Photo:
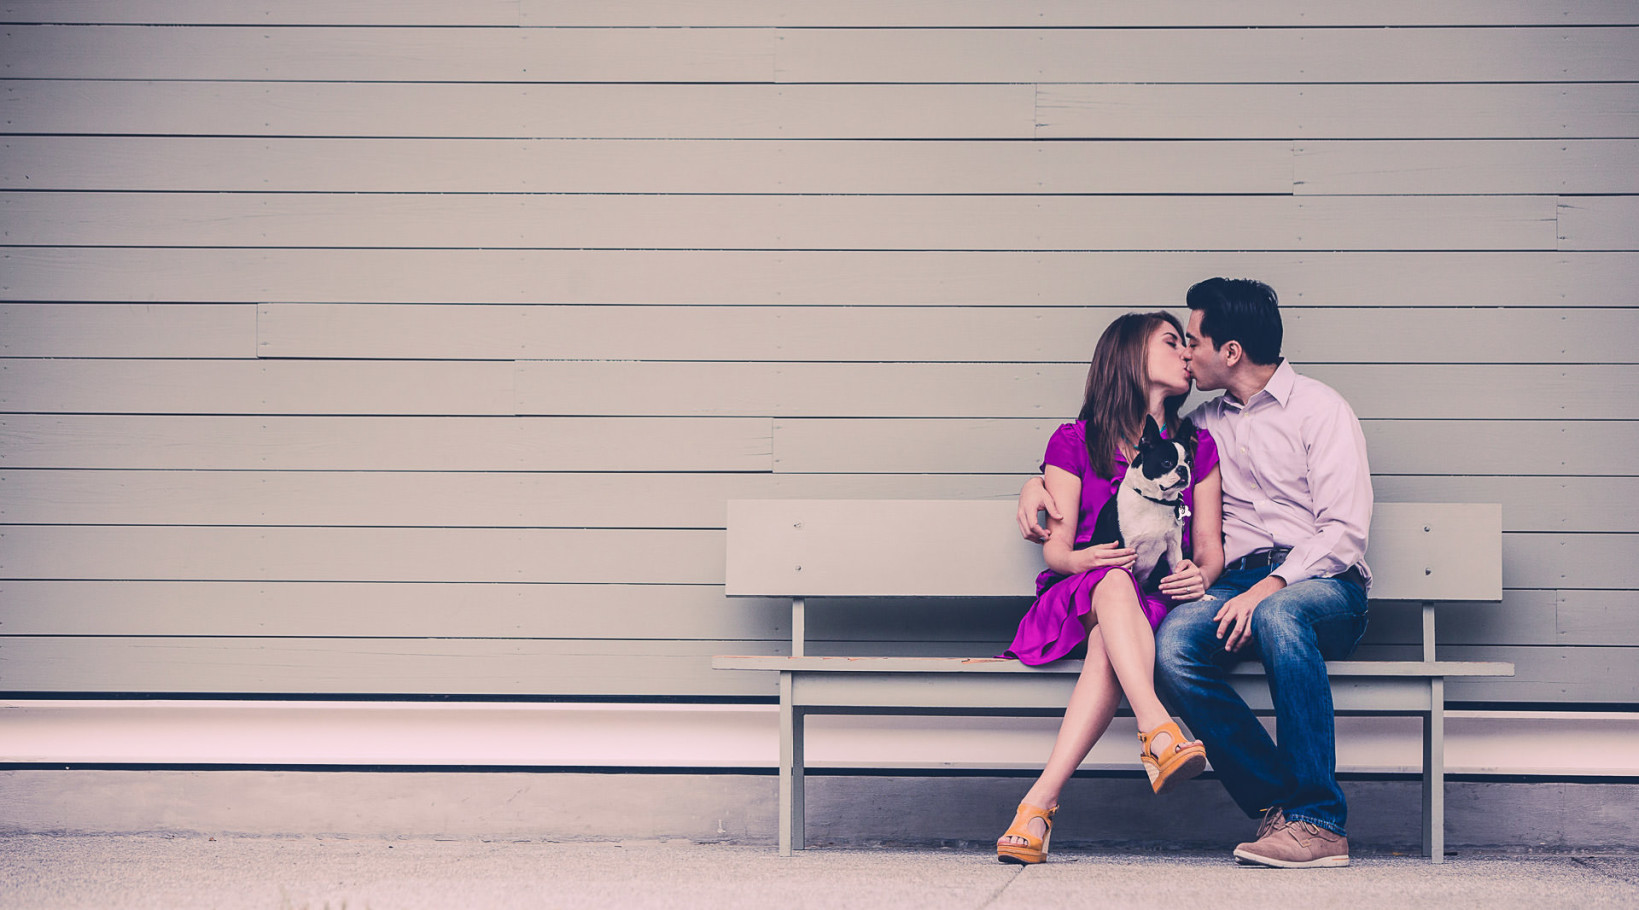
column 1187, row 769
column 1021, row 855
column 1248, row 858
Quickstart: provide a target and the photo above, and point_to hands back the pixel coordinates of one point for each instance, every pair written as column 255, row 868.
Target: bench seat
column 839, row 663
column 840, row 683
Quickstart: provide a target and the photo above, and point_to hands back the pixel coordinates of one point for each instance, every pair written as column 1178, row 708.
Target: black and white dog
column 1148, row 513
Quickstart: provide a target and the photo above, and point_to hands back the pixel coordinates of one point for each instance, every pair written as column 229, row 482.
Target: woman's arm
column 1064, row 491
column 1206, row 531
column 1059, row 551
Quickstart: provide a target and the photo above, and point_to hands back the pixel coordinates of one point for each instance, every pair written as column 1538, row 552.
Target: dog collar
column 1180, row 511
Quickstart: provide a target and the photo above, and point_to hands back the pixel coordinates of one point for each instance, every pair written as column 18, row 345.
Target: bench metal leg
column 1434, row 774
column 791, row 771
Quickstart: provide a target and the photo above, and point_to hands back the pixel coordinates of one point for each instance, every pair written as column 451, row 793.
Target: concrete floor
column 46, row 872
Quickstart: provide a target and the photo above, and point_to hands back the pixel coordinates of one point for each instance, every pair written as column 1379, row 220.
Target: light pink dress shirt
column 1294, row 475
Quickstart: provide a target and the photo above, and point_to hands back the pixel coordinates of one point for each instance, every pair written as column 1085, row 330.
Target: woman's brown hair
column 1116, row 398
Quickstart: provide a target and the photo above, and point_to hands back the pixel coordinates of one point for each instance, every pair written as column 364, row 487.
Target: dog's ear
column 1152, row 433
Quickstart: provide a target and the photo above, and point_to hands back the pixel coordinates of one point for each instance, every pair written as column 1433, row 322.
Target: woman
column 1089, row 594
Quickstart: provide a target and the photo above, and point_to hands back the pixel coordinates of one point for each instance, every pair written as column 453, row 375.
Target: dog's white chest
column 1151, row 528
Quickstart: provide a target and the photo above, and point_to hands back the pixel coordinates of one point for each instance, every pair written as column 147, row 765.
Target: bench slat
column 1436, row 551
column 878, row 548
column 1338, row 668
column 938, row 548
column 1047, row 693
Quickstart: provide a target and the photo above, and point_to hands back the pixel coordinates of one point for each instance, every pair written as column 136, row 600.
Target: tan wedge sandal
column 1034, row 849
column 1177, row 763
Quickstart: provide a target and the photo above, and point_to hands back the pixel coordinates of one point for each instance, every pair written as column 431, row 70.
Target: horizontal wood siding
column 869, row 278
column 235, row 164
column 831, row 55
column 414, row 348
column 827, row 222
column 1505, row 448
column 388, row 443
column 672, row 500
column 819, row 13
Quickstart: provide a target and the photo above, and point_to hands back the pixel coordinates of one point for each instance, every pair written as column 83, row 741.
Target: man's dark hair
column 1239, row 309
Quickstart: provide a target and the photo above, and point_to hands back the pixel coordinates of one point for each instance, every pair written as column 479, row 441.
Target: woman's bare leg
column 1120, row 658
column 1092, row 706
column 1130, row 643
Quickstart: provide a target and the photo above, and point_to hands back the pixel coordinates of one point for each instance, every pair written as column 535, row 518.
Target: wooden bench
column 805, row 549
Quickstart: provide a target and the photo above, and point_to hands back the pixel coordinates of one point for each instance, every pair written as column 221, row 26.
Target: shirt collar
column 1281, row 384
column 1279, row 387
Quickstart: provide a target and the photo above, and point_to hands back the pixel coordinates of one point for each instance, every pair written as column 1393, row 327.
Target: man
column 1297, row 506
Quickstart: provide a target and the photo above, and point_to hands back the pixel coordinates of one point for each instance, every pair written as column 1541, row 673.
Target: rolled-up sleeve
column 1340, row 486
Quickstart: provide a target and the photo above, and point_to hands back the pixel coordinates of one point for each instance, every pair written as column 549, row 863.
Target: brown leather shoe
column 1272, row 816
column 1288, row 844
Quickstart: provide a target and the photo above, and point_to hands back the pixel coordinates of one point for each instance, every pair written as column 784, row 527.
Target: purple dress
column 1052, row 627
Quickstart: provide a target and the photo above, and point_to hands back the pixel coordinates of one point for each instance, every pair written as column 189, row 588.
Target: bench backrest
column 934, row 548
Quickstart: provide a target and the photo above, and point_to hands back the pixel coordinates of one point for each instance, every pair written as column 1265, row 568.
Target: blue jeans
column 1294, row 632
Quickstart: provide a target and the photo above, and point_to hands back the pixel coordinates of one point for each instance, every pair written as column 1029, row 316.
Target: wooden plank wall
column 389, row 348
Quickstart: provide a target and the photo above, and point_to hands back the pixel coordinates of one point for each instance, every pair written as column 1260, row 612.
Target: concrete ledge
column 740, row 808
column 196, row 732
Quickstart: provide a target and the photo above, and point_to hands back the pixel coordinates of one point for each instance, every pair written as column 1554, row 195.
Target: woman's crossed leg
column 1120, row 659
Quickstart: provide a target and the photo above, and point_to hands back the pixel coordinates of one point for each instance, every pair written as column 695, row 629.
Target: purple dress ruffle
column 1052, row 627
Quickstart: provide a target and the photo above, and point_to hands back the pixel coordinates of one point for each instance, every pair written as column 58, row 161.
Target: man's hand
column 1235, row 617
column 1032, row 500
column 1186, row 584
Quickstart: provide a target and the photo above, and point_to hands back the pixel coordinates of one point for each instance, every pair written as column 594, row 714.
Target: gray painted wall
column 396, row 348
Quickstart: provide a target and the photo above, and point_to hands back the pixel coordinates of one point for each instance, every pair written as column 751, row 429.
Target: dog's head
column 1162, row 468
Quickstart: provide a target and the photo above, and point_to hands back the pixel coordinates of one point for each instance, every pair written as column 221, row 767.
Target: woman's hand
column 1103, row 556
column 1032, row 500
column 1187, row 584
